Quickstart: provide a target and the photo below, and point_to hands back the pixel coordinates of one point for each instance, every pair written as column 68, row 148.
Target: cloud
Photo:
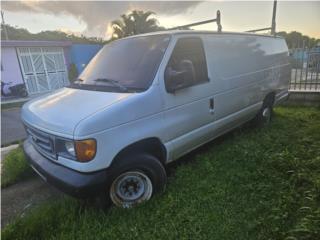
column 97, row 15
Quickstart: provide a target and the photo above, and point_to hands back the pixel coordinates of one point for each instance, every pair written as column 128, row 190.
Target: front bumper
column 72, row 182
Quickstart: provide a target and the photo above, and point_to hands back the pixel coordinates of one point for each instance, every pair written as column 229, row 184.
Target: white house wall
column 10, row 70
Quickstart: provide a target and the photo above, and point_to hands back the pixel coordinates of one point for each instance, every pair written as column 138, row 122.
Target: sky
column 93, row 18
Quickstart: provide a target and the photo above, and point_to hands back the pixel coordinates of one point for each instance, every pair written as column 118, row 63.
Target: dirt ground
column 21, row 197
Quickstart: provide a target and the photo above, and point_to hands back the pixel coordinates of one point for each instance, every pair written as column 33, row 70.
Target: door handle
column 211, row 105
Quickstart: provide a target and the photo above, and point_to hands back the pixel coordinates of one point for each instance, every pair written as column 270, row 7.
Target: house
column 42, row 65
column 81, row 54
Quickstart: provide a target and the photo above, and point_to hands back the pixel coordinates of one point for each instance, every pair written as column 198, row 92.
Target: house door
column 43, row 69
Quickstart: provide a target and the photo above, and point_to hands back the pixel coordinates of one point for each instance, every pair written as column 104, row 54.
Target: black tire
column 265, row 114
column 24, row 93
column 143, row 164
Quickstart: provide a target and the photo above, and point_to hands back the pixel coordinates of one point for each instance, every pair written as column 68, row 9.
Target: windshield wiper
column 113, row 82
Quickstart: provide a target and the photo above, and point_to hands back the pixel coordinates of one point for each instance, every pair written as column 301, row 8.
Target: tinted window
column 131, row 63
column 189, row 49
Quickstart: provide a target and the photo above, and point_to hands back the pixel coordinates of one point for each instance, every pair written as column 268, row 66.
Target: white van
column 145, row 101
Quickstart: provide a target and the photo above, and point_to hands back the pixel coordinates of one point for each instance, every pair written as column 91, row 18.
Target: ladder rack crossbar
column 260, row 29
column 217, row 20
column 193, row 24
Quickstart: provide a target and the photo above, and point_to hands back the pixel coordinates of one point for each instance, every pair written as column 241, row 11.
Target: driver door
column 190, row 110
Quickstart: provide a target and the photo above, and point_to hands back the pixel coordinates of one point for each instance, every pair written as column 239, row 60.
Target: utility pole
column 4, row 26
column 274, row 13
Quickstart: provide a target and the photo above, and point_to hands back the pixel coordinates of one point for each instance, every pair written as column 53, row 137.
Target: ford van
column 146, row 100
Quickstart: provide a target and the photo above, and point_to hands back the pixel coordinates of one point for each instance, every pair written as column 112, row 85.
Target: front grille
column 42, row 141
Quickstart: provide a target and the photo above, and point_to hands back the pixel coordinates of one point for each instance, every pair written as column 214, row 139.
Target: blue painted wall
column 81, row 54
column 301, row 55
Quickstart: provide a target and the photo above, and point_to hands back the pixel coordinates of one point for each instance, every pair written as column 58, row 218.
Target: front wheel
column 138, row 177
column 131, row 188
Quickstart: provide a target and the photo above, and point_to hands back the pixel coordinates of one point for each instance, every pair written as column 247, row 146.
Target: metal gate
column 43, row 68
column 305, row 64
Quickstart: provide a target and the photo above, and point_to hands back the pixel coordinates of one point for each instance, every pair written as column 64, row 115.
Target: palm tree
column 134, row 23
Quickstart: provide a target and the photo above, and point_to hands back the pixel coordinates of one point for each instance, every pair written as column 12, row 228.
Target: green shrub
column 14, row 167
column 73, row 73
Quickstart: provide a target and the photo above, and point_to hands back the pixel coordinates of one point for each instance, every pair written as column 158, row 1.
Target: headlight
column 85, row 149
column 78, row 150
column 70, row 148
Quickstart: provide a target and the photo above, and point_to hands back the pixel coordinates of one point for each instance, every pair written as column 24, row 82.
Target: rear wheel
column 264, row 116
column 136, row 179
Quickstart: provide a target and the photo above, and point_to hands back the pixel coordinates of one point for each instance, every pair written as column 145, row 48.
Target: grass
column 5, row 106
column 14, row 167
column 250, row 184
column 12, row 143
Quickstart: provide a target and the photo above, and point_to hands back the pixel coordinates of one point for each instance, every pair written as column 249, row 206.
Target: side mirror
column 179, row 79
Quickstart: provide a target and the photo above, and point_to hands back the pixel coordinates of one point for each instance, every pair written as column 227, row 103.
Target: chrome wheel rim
column 131, row 188
column 266, row 113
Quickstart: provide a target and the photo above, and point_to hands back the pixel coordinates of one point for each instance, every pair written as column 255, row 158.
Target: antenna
column 217, row 20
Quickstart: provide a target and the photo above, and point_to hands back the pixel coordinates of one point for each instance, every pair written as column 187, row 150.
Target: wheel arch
column 269, row 98
column 151, row 145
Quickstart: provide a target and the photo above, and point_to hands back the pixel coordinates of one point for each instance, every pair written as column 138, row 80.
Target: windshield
column 125, row 64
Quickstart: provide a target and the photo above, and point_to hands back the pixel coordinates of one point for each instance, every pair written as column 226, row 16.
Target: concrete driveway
column 11, row 126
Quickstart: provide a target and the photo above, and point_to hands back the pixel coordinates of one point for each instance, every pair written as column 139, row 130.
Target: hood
column 62, row 110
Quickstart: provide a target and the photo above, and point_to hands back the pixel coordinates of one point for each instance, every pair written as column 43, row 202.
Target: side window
column 188, row 51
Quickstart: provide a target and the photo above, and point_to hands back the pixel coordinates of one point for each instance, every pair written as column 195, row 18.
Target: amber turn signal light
column 85, row 149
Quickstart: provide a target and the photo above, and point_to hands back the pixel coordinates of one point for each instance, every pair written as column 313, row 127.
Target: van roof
column 180, row 32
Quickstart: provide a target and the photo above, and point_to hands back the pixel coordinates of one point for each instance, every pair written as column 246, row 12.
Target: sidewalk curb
column 6, row 150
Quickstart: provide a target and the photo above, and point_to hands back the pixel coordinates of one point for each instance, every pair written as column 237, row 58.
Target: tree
column 16, row 33
column 136, row 22
column 297, row 40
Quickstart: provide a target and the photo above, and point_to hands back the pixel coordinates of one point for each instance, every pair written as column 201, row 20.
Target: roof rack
column 273, row 23
column 217, row 20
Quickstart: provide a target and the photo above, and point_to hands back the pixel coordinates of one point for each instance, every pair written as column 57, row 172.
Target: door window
column 189, row 50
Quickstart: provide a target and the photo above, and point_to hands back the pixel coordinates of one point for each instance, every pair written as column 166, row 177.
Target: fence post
column 318, row 70
column 307, row 68
column 296, row 68
column 302, row 61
